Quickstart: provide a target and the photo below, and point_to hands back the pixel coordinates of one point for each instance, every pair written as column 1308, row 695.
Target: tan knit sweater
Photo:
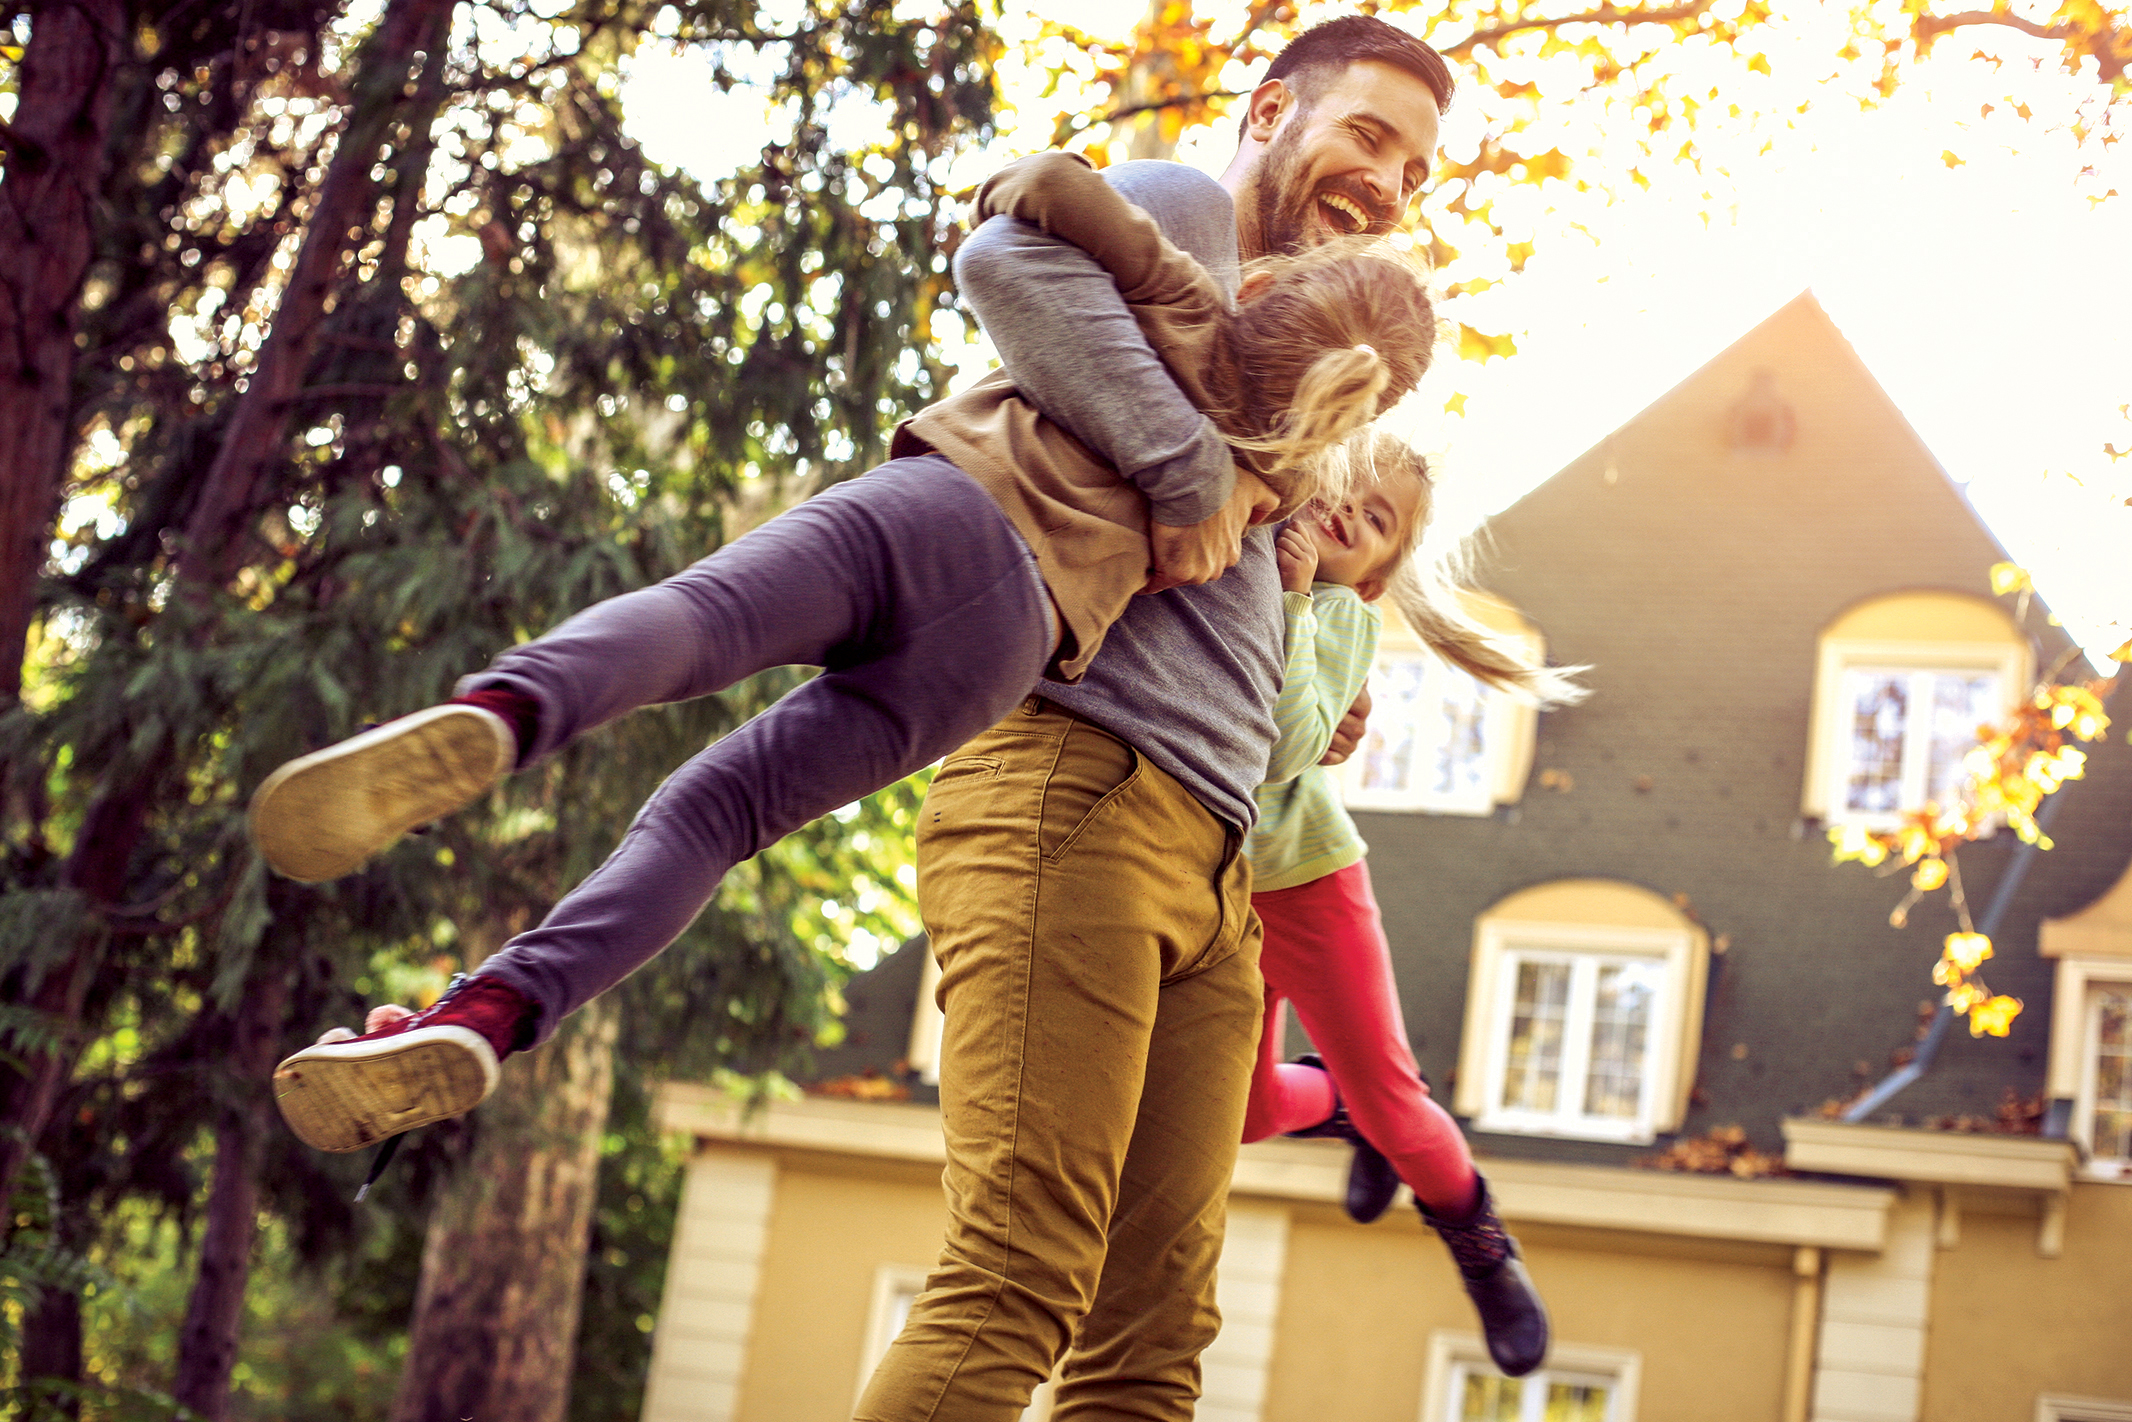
column 1086, row 525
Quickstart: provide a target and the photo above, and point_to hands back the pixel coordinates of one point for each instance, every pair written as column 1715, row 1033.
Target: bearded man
column 1078, row 866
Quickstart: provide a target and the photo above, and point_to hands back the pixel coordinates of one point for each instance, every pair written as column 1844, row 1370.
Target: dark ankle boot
column 1512, row 1315
column 1371, row 1181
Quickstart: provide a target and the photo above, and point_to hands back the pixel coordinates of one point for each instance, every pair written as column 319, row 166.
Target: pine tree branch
column 1604, row 15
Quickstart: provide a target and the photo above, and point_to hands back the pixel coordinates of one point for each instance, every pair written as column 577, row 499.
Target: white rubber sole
column 342, row 1096
column 321, row 815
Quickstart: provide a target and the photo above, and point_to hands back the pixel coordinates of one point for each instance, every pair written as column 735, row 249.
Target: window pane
column 1961, row 703
column 1575, row 1402
column 1461, row 761
column 1490, row 1399
column 1621, row 1020
column 1534, row 1066
column 2113, row 1079
column 1396, row 707
column 1878, row 703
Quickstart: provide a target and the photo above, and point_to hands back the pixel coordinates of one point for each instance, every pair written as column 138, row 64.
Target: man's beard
column 1283, row 217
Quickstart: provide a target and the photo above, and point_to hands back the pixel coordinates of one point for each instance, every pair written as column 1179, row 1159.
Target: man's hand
column 1205, row 550
column 1297, row 557
column 1348, row 734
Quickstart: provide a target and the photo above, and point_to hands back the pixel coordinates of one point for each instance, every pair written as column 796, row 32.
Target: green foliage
column 637, row 367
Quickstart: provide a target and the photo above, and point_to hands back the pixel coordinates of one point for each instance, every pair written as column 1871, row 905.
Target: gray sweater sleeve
column 1073, row 349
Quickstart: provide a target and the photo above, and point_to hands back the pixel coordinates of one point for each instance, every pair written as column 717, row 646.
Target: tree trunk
column 495, row 1326
column 258, row 429
column 1152, row 78
column 103, row 852
column 207, row 1341
column 51, row 1344
column 214, row 537
column 55, row 168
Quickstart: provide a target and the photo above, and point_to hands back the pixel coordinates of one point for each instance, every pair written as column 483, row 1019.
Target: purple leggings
column 908, row 586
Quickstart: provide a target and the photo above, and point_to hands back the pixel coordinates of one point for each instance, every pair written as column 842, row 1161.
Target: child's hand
column 1297, row 558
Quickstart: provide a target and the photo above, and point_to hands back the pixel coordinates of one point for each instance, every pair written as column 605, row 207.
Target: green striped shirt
column 1303, row 831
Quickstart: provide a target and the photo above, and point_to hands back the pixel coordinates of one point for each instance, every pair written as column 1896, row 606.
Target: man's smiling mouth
column 1343, row 214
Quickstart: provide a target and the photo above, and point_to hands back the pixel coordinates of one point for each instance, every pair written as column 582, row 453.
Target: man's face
column 1348, row 163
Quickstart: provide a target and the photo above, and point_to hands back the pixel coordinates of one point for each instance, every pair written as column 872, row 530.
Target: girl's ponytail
column 1430, row 593
column 1327, row 341
column 1337, row 396
column 1430, row 601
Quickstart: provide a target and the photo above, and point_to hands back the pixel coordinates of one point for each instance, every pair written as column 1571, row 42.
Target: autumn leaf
column 1994, row 1017
column 1966, row 950
column 1948, row 157
column 1931, row 873
column 2008, row 578
column 1474, row 345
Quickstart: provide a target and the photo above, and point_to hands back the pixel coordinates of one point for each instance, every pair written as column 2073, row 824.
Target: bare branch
column 2111, row 50
column 1604, row 15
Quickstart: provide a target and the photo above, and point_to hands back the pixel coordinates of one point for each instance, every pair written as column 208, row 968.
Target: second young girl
column 1325, row 950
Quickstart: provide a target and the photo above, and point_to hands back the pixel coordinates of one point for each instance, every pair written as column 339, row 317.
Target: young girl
column 934, row 592
column 1325, row 949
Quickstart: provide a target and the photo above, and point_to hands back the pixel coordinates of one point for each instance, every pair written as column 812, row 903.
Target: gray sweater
column 1188, row 677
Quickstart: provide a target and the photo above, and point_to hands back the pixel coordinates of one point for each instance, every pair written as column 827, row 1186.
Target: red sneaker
column 438, row 1063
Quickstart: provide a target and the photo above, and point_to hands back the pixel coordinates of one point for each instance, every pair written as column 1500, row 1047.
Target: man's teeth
column 1346, row 208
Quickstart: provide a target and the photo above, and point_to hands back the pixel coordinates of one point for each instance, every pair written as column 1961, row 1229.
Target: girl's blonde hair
column 1430, row 593
column 1337, row 334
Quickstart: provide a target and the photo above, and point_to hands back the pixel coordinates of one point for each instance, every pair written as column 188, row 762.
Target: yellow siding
column 1358, row 1305
column 2009, row 1326
column 828, row 1235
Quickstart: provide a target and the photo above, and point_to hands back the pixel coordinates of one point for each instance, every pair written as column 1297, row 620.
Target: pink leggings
column 1325, row 951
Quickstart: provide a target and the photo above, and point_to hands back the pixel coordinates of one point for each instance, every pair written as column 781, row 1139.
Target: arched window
column 1904, row 683
column 1439, row 741
column 1584, row 1011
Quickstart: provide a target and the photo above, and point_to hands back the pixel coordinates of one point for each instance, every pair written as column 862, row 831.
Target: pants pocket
column 1093, row 772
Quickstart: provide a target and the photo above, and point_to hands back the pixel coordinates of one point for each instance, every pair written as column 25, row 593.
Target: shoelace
column 391, row 1147
column 378, row 1163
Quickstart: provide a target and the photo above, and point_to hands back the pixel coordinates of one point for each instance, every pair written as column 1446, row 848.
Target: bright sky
column 1987, row 296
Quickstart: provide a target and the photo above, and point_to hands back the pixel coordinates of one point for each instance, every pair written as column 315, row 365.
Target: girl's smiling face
column 1358, row 541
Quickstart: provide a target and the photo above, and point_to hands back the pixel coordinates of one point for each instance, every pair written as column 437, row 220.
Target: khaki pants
column 1099, row 972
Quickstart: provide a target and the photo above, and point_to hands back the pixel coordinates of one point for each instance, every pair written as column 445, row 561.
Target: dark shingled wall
column 1695, row 579
column 878, row 1005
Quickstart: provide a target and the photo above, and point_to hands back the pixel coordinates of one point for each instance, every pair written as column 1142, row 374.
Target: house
column 1620, row 939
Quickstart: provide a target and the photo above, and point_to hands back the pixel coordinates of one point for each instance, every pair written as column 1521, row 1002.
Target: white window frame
column 1831, row 715
column 1455, row 1356
column 2089, row 1043
column 2054, row 1408
column 1498, row 732
column 896, row 1286
column 928, row 1023
column 1502, row 945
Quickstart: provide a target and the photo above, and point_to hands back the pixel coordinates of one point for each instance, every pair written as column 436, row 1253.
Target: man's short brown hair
column 1322, row 51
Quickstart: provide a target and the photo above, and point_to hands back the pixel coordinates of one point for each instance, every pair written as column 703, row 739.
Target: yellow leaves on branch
column 1967, row 994
column 2006, row 777
column 1962, row 953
